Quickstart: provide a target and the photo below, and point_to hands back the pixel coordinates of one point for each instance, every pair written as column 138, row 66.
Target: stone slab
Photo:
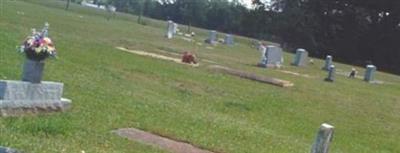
column 17, row 108
column 300, row 58
column 158, row 141
column 19, row 90
column 274, row 55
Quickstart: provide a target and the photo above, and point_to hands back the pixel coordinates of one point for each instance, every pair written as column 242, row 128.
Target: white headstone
column 370, row 73
column 301, row 57
column 323, row 140
column 229, row 39
column 328, row 62
column 212, row 38
column 170, row 29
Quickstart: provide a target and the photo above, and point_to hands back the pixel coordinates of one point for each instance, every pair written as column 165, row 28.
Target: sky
column 247, row 2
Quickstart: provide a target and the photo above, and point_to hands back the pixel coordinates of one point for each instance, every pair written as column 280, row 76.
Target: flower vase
column 33, row 71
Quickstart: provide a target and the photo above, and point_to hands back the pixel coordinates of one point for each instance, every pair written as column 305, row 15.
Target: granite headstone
column 370, row 73
column 274, row 55
column 170, row 29
column 328, row 62
column 300, row 58
column 229, row 39
column 212, row 38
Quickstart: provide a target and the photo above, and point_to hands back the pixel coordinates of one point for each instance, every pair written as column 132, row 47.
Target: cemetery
column 97, row 85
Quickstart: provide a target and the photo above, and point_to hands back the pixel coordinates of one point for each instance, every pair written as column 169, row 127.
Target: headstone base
column 19, row 98
column 269, row 65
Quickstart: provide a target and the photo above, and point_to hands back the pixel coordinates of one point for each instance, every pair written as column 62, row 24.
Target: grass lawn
column 113, row 89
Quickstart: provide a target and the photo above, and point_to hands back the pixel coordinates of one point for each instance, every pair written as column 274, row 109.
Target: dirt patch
column 295, row 73
column 159, row 141
column 154, row 55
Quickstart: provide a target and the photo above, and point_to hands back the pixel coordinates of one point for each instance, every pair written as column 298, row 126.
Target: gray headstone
column 170, row 29
column 370, row 73
column 331, row 73
column 328, row 62
column 274, row 55
column 19, row 94
column 8, row 150
column 212, row 38
column 300, row 58
column 229, row 39
column 323, row 140
column 33, row 71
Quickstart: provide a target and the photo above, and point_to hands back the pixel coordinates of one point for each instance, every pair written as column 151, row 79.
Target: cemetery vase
column 33, row 71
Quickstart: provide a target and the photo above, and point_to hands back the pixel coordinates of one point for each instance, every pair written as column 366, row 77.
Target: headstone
column 274, row 55
column 16, row 95
column 324, row 138
column 370, row 73
column 331, row 74
column 33, row 71
column 300, row 58
column 8, row 150
column 229, row 39
column 212, row 38
column 263, row 60
column 170, row 29
column 328, row 62
column 175, row 28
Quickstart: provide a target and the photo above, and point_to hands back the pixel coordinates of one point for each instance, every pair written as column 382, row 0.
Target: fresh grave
column 192, row 62
column 31, row 95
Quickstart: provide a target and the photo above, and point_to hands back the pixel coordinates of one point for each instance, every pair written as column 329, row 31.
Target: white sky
column 247, row 2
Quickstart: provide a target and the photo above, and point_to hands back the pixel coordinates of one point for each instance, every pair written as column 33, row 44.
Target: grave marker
column 274, row 55
column 324, row 138
column 328, row 62
column 300, row 58
column 370, row 73
column 31, row 95
column 170, row 29
column 229, row 39
column 212, row 38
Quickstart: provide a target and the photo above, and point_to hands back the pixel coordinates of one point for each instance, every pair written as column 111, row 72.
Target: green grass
column 112, row 89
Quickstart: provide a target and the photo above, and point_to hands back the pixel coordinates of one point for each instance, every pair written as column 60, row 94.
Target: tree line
column 357, row 32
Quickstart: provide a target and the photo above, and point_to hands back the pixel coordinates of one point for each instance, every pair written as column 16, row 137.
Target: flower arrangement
column 38, row 46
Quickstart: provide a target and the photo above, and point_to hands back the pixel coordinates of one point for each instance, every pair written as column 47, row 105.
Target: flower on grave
column 38, row 46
